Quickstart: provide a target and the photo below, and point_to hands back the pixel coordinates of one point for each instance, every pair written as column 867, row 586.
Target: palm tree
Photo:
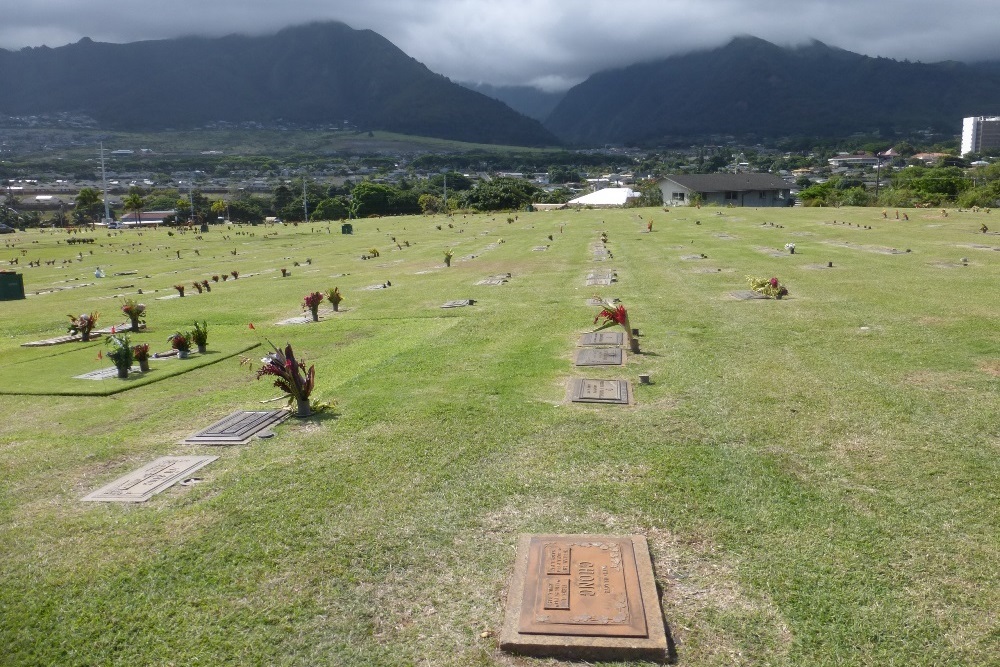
column 134, row 202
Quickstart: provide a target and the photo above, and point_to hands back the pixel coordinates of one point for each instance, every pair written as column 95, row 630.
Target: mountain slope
column 530, row 101
column 753, row 88
column 320, row 73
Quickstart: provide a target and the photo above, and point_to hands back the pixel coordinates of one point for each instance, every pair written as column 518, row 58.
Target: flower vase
column 144, row 365
column 85, row 336
column 633, row 344
column 183, row 354
column 315, row 314
column 135, row 324
column 122, row 372
column 336, row 307
column 302, row 407
column 202, row 348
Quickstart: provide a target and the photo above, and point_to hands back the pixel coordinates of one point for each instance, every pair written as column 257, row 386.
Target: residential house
column 725, row 189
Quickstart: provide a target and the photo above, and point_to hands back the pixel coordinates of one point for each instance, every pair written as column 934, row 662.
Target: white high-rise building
column 980, row 133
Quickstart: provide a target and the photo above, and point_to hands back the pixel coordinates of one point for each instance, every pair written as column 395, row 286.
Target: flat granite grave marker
column 147, row 481
column 238, row 428
column 584, row 597
column 604, row 356
column 615, row 392
column 602, row 338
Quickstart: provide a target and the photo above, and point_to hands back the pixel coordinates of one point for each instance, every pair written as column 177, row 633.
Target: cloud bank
column 550, row 44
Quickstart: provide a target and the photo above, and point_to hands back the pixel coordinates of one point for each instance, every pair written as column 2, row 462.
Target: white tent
column 605, row 197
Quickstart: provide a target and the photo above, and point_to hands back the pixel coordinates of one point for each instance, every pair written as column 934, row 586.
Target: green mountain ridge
column 312, row 75
column 752, row 88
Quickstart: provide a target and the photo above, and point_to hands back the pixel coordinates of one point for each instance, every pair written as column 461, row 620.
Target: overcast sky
column 547, row 43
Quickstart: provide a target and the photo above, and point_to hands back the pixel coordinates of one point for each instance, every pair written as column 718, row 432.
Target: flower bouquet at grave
column 790, row 247
column 215, row 278
column 133, row 310
column 290, row 376
column 83, row 325
column 334, row 297
column 235, row 274
column 180, row 341
column 141, row 354
column 199, row 336
column 311, row 303
column 204, row 283
column 120, row 352
column 769, row 288
column 197, row 286
column 180, row 289
column 613, row 315
column 448, row 254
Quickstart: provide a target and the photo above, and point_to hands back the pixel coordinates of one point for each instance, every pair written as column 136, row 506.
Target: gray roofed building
column 725, row 189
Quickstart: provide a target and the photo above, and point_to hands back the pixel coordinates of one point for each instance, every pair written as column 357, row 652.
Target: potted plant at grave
column 334, row 297
column 311, row 303
column 200, row 336
column 120, row 353
column 290, row 376
column 181, row 341
column 447, row 257
column 769, row 288
column 134, row 310
column 83, row 325
column 180, row 289
column 141, row 354
column 613, row 315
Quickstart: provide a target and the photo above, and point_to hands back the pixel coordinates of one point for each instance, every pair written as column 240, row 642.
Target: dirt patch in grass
column 701, row 589
column 991, row 367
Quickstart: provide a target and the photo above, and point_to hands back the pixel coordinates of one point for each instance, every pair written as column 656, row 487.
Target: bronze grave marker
column 584, row 597
column 602, row 338
column 600, row 391
column 147, row 481
column 605, row 356
column 238, row 428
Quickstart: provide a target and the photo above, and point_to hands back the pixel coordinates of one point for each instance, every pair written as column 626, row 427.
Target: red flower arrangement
column 311, row 303
column 613, row 315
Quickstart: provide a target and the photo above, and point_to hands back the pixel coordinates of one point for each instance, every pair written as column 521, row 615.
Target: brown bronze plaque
column 605, row 356
column 599, row 391
column 584, row 596
column 598, row 594
column 602, row 338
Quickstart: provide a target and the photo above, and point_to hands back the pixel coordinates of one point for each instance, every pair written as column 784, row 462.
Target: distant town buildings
column 725, row 190
column 980, row 133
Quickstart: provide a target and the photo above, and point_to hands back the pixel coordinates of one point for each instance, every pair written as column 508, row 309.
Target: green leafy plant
column 199, row 335
column 120, row 351
column 768, row 287
column 334, row 297
column 290, row 375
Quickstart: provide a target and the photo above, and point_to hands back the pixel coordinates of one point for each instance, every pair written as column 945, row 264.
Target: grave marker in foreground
column 147, row 481
column 584, row 597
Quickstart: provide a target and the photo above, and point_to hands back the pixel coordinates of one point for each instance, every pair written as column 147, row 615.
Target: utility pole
column 305, row 203
column 104, row 180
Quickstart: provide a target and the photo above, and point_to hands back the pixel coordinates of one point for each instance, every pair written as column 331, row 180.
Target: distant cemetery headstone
column 152, row 478
column 460, row 303
column 58, row 340
column 600, row 391
column 598, row 338
column 604, row 356
column 495, row 280
column 238, row 428
column 746, row 295
column 102, row 374
column 584, row 597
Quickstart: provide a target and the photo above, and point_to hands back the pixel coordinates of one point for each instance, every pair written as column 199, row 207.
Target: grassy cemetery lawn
column 816, row 475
